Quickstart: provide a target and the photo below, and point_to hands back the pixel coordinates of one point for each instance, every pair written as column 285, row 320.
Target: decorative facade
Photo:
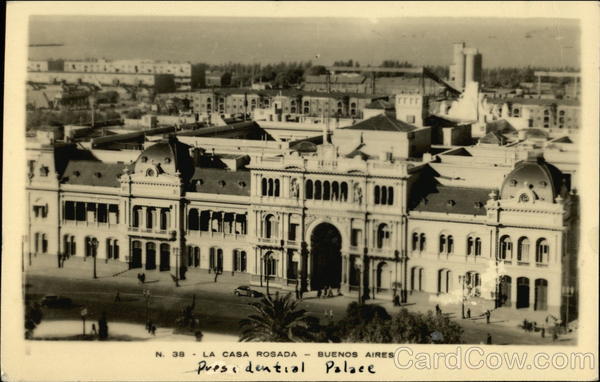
column 375, row 226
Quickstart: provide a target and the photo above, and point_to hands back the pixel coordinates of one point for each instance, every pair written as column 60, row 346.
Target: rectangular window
column 102, row 213
column 113, row 214
column 293, row 231
column 356, row 237
column 410, row 118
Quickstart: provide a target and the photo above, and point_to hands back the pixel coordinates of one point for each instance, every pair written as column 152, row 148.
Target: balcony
column 524, row 263
column 541, row 265
column 273, row 242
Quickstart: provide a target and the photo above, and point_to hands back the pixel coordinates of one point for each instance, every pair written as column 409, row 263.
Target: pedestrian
column 297, row 292
column 438, row 310
column 94, row 331
column 487, row 316
column 329, row 292
column 319, row 293
column 489, row 339
column 118, row 297
column 143, row 278
column 397, row 300
column 543, row 332
column 150, row 325
column 554, row 335
column 469, row 313
column 153, row 330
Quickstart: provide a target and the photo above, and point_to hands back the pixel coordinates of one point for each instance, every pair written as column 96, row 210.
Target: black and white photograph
column 335, row 178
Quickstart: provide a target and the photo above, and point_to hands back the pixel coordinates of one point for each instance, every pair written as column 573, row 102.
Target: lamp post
column 177, row 270
column 267, row 271
column 94, row 247
column 404, row 261
column 358, row 268
column 461, row 279
column 83, row 313
column 147, row 297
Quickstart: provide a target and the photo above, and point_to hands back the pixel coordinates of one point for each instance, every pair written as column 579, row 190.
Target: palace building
column 373, row 210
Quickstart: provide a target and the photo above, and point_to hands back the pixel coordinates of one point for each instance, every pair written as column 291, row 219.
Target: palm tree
column 277, row 319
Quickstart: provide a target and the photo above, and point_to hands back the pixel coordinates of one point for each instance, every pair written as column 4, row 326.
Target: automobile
column 53, row 301
column 246, row 291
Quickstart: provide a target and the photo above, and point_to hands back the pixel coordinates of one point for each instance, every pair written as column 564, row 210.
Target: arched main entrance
column 326, row 258
column 505, row 291
column 522, row 292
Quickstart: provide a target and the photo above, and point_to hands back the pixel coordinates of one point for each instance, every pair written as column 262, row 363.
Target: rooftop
column 382, row 122
column 453, row 200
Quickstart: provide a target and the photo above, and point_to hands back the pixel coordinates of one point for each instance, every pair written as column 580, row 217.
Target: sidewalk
column 65, row 329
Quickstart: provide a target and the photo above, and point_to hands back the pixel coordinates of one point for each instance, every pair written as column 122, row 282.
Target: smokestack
column 470, row 54
column 459, row 65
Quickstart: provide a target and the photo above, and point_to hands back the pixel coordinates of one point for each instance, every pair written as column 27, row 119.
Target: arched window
column 193, row 221
column 505, row 248
column 442, row 243
column 239, row 260
column 216, row 259
column 149, row 217
column 326, row 190
column 383, row 236
column 270, row 226
column 335, row 191
column 318, row 190
column 523, row 250
column 477, row 247
column 309, row 189
column 165, row 257
column 264, row 186
column 270, row 265
column 542, row 250
column 390, row 196
column 376, row 195
column 270, row 192
column 422, row 242
column 415, row 241
column 164, row 213
column 344, row 192
column 115, row 249
column 276, row 192
column 450, row 244
column 470, row 245
column 136, row 216
column 541, row 294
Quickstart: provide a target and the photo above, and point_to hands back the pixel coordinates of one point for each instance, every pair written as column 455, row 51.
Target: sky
column 421, row 41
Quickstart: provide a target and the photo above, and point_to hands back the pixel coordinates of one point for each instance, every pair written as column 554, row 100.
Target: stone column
column 302, row 266
column 532, row 294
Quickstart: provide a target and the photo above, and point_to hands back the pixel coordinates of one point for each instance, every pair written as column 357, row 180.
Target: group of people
column 151, row 328
column 327, row 292
column 141, row 277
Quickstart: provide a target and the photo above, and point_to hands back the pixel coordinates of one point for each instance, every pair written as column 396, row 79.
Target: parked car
column 246, row 291
column 53, row 301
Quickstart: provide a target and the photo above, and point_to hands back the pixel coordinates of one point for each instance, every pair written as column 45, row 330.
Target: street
column 216, row 305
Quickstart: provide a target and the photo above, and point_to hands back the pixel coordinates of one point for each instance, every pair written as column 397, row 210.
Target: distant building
column 466, row 66
column 159, row 83
column 186, row 75
column 216, row 79
column 294, row 103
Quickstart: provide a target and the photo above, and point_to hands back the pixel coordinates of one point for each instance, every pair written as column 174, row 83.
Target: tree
column 278, row 319
column 317, row 70
column 372, row 324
